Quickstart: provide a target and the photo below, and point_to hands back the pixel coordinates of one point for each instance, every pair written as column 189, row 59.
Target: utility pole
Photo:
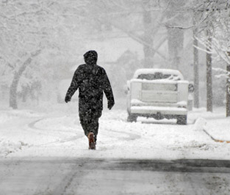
column 228, row 91
column 196, row 71
column 209, row 76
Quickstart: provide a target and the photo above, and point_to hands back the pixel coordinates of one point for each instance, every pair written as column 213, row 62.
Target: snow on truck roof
column 154, row 71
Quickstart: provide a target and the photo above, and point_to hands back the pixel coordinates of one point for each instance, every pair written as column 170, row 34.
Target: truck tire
column 182, row 120
column 132, row 118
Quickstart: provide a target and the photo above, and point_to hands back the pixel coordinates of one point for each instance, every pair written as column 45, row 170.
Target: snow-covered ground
column 55, row 131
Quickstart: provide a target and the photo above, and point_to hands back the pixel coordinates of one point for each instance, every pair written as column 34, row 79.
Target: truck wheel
column 132, row 118
column 182, row 120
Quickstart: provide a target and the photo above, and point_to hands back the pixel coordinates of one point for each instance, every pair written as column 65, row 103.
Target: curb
column 216, row 140
column 200, row 125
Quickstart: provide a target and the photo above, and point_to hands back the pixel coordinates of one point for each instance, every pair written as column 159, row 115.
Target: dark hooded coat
column 92, row 81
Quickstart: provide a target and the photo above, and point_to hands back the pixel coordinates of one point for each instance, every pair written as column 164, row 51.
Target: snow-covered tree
column 213, row 27
column 31, row 31
column 138, row 19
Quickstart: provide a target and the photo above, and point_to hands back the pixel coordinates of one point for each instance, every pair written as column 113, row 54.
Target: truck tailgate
column 158, row 96
column 158, row 92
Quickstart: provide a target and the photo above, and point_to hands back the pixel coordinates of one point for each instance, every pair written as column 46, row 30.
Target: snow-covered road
column 85, row 176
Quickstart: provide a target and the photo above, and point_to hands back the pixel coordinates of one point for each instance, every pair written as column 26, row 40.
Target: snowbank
column 7, row 147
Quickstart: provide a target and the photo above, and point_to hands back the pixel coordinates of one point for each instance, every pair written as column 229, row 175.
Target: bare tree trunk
column 175, row 33
column 228, row 92
column 209, row 78
column 196, row 73
column 175, row 45
column 148, row 48
column 14, row 85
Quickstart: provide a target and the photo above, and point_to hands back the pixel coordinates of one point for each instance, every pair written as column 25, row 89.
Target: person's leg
column 84, row 115
column 89, row 120
column 93, row 126
column 84, row 123
column 95, row 122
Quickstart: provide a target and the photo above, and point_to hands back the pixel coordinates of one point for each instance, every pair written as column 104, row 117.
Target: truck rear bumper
column 152, row 110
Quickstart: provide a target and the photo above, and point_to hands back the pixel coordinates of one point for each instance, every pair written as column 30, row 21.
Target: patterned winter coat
column 92, row 81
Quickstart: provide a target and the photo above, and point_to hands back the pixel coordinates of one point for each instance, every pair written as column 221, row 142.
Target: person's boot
column 92, row 144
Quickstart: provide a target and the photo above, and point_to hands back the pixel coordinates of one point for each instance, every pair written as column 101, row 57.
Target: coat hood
column 90, row 57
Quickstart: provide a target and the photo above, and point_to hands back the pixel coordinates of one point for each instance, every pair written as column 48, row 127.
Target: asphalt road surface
column 74, row 176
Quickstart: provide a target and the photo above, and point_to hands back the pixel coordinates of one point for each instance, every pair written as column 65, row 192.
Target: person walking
column 92, row 81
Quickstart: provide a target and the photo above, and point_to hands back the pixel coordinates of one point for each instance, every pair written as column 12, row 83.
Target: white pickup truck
column 158, row 93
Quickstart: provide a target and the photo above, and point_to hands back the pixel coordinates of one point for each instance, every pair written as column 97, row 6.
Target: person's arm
column 108, row 91
column 73, row 86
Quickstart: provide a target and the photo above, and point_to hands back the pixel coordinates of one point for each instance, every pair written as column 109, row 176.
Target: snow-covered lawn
column 57, row 133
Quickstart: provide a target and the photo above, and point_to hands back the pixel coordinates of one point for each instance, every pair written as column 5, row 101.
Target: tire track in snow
column 32, row 125
column 124, row 135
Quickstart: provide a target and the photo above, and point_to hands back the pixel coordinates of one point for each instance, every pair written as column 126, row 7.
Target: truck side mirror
column 191, row 87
